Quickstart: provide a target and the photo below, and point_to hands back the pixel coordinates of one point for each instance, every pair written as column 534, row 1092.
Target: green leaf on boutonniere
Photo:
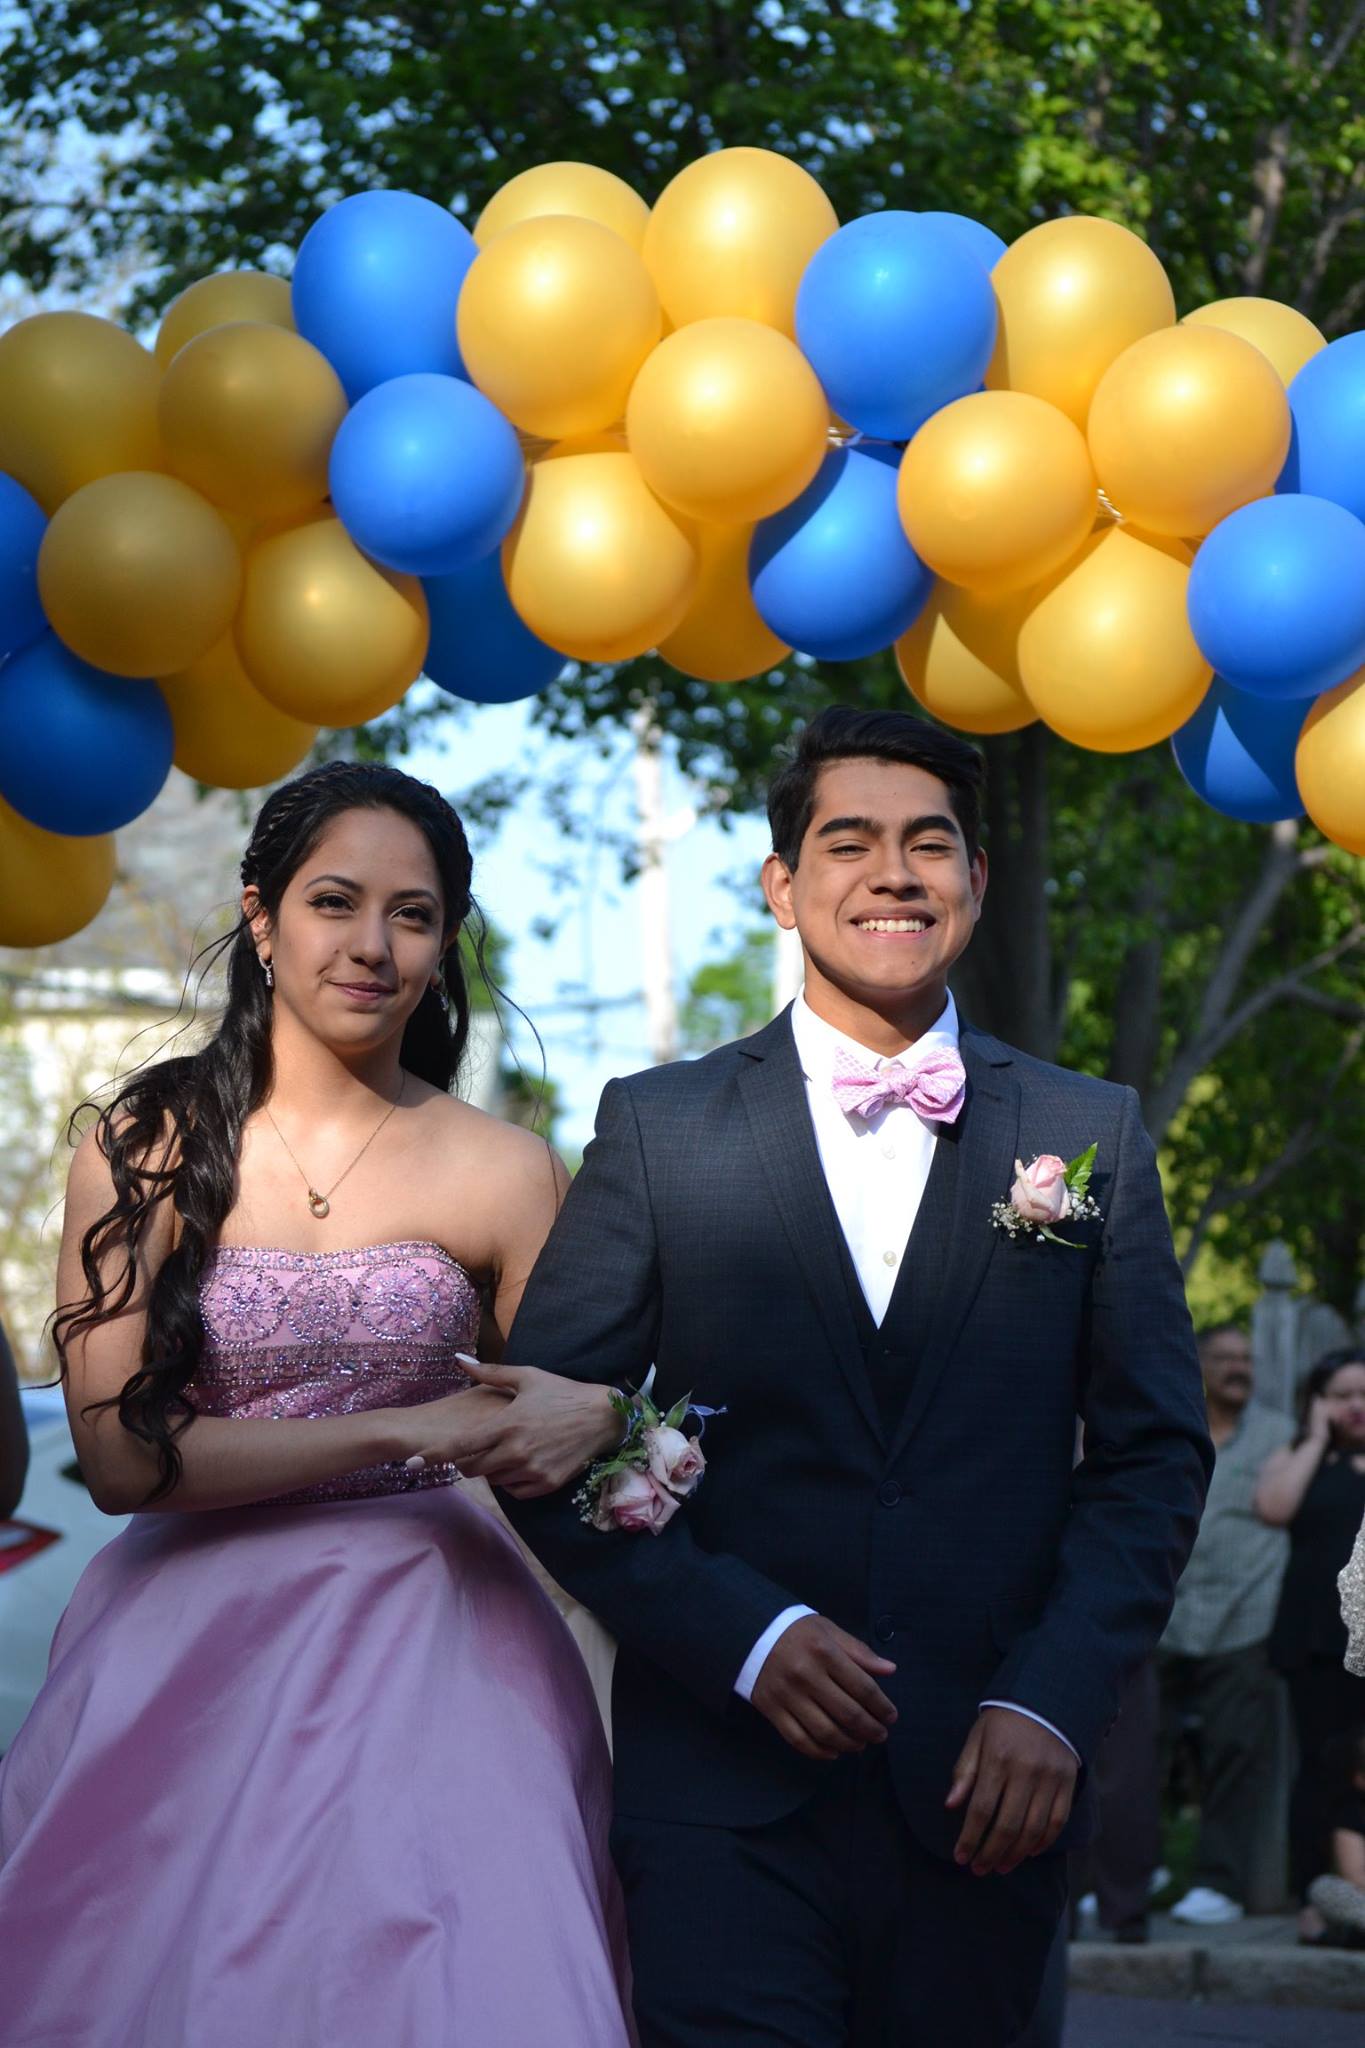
column 677, row 1414
column 1077, row 1176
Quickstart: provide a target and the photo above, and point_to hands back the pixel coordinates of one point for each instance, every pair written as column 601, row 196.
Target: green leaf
column 1077, row 1175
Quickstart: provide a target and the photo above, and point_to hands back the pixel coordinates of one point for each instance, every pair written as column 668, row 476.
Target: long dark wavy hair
column 174, row 1129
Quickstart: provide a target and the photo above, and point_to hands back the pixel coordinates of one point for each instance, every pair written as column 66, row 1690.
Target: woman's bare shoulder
column 469, row 1138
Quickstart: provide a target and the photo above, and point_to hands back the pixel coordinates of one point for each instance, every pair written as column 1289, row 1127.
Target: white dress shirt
column 877, row 1169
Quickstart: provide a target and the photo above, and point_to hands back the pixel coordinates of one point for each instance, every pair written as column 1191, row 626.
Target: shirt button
column 888, row 1151
column 888, row 1258
column 888, row 1493
column 884, row 1628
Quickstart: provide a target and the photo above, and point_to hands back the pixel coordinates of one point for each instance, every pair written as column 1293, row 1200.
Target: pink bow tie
column 935, row 1085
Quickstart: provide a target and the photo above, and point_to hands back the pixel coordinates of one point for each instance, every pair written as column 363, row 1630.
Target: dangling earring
column 441, row 996
column 269, row 973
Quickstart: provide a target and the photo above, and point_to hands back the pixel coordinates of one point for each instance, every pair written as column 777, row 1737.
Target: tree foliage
column 1212, row 965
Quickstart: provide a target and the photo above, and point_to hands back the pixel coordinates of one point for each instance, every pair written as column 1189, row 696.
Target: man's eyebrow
column 933, row 821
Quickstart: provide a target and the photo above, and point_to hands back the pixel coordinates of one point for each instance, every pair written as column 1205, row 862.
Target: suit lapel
column 953, row 1238
column 773, row 1090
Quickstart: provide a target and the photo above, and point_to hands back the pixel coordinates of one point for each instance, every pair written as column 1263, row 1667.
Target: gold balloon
column 582, row 190
column 727, row 421
column 722, row 639
column 1106, row 654
column 324, row 633
column 50, row 886
column 1286, row 337
column 226, row 732
column 1330, row 763
column 138, row 574
column 1073, row 294
column 248, row 413
column 594, row 564
column 215, row 301
column 733, row 233
column 1185, row 426
column 960, row 660
column 996, row 491
column 556, row 316
column 77, row 401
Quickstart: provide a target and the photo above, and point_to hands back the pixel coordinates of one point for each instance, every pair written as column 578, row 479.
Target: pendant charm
column 319, row 1204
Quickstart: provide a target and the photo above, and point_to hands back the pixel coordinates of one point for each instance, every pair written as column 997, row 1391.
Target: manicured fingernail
column 417, row 1464
column 466, row 1358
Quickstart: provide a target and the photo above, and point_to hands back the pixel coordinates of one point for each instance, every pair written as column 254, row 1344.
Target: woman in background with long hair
column 316, row 1761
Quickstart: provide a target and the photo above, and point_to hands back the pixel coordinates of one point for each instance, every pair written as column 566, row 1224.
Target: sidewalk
column 1254, row 1962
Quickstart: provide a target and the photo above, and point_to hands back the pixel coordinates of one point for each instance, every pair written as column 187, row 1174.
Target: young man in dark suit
column 863, row 1669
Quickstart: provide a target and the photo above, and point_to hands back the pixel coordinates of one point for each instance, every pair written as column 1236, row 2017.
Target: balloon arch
column 723, row 428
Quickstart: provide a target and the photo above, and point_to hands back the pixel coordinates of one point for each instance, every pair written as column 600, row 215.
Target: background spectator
column 1213, row 1665
column 13, row 1433
column 1317, row 1490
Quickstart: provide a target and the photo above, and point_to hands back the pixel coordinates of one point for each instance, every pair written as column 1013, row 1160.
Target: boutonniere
column 1047, row 1192
column 653, row 1470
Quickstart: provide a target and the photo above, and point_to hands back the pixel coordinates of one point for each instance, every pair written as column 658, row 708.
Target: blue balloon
column 426, row 474
column 22, row 526
column 833, row 574
column 1327, row 452
column 480, row 650
column 984, row 243
column 897, row 317
column 1277, row 597
column 80, row 751
column 1237, row 753
column 376, row 285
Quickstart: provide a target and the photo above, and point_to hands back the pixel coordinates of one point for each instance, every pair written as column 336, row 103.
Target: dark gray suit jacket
column 700, row 1237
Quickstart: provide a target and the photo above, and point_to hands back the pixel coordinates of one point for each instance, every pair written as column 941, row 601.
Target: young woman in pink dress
column 316, row 1761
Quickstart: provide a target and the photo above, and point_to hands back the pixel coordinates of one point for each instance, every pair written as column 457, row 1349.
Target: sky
column 596, row 938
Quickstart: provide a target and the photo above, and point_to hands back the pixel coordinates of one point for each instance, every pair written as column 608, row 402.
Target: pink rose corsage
column 654, row 1469
column 1047, row 1192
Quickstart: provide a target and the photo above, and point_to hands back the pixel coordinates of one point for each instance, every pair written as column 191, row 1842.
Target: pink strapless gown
column 324, row 1773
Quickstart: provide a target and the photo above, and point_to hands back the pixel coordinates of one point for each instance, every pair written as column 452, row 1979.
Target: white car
column 36, row 1582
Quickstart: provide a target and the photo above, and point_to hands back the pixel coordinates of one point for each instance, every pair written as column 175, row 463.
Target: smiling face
column 359, row 933
column 883, row 895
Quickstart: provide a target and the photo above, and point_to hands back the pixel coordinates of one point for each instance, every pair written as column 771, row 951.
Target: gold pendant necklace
column 319, row 1204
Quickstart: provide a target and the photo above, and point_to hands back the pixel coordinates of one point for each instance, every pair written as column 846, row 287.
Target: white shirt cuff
column 758, row 1656
column 1011, row 1708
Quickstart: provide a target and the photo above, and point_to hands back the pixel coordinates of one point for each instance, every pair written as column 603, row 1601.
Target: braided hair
column 174, row 1129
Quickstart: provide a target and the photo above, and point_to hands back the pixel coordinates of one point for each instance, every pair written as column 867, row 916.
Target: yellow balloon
column 139, row 574
column 565, row 187
column 594, row 564
column 727, row 421
column 722, row 639
column 556, row 316
column 324, row 633
column 50, row 886
column 733, row 233
column 77, row 401
column 226, row 733
column 1185, row 426
column 1106, row 654
column 1288, row 338
column 1073, row 294
column 960, row 660
column 1330, row 763
column 996, row 490
column 215, row 301
column 248, row 413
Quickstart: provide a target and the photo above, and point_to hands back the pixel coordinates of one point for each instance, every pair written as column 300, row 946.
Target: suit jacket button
column 888, row 1493
column 883, row 1628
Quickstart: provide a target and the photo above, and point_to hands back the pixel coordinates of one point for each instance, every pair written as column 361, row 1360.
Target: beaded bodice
column 305, row 1334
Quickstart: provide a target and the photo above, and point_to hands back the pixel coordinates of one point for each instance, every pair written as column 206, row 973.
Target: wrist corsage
column 654, row 1469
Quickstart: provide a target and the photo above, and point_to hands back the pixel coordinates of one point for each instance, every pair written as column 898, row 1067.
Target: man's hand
column 818, row 1689
column 1017, row 1781
column 545, row 1435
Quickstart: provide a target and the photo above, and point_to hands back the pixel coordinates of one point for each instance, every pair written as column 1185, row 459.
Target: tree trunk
column 1003, row 982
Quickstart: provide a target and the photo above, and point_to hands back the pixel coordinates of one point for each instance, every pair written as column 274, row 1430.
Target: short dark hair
column 1208, row 1331
column 842, row 733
